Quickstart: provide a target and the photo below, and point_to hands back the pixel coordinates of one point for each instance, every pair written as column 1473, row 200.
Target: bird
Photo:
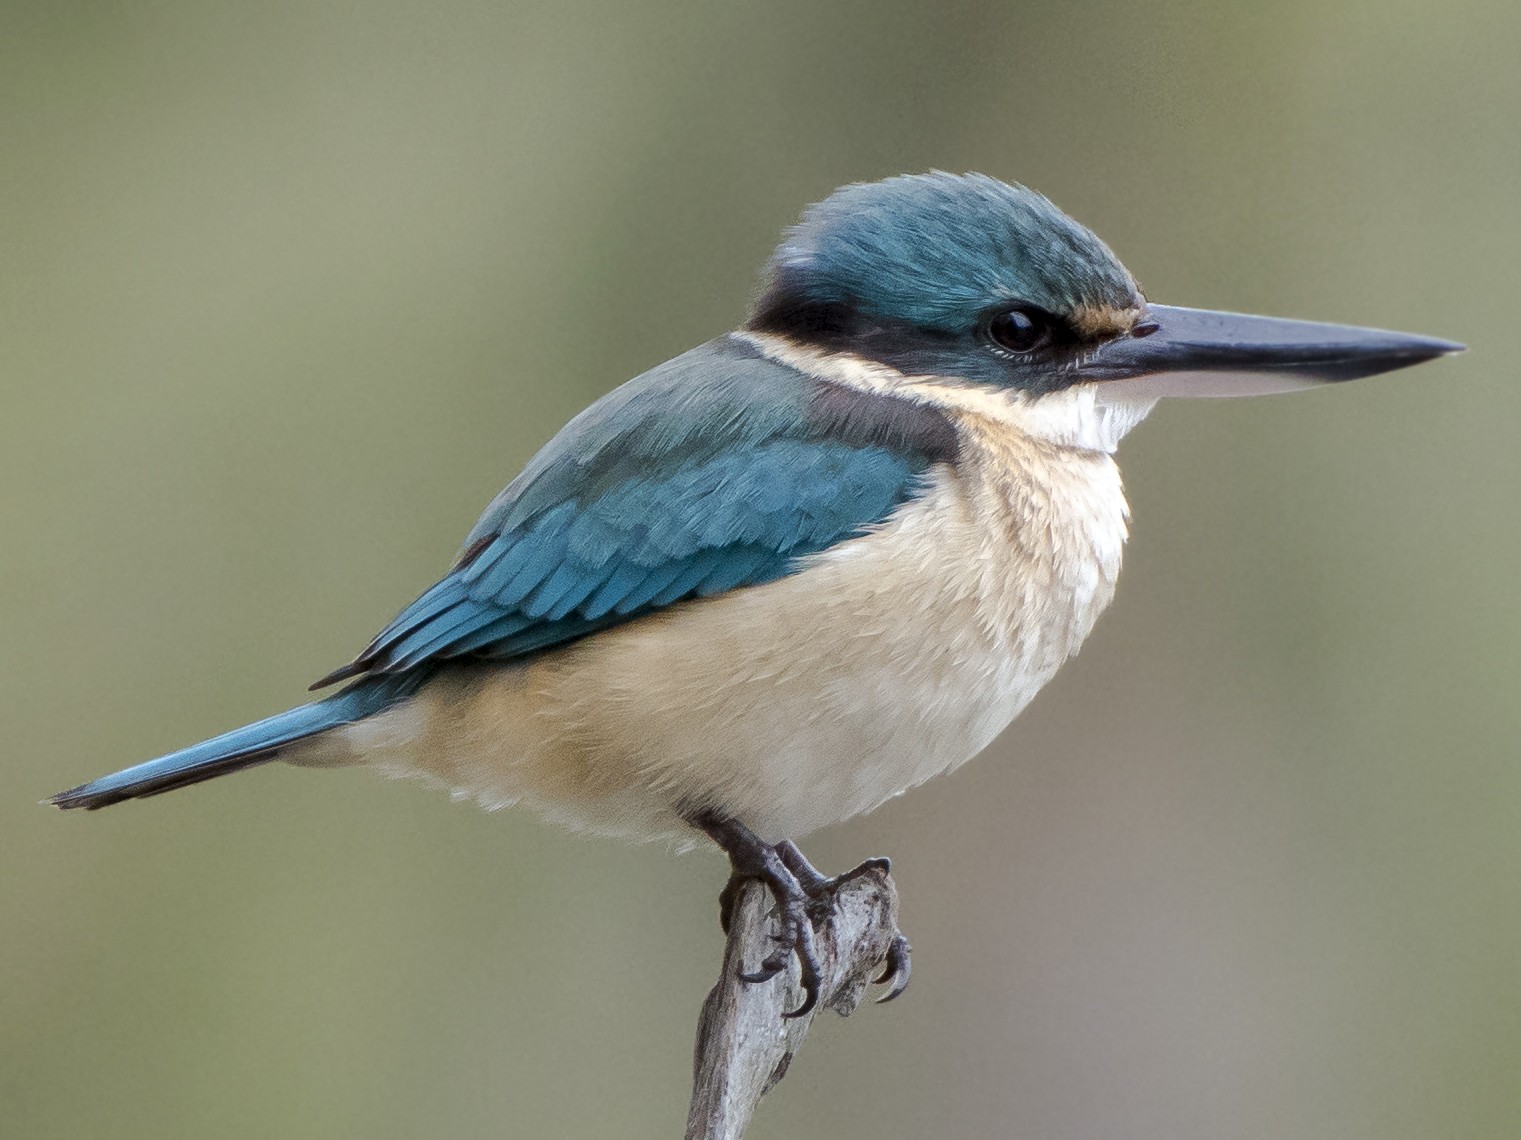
column 802, row 568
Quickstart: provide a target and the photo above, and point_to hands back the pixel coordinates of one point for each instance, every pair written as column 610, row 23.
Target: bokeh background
column 288, row 290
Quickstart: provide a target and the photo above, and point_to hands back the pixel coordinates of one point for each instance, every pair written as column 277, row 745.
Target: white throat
column 1085, row 415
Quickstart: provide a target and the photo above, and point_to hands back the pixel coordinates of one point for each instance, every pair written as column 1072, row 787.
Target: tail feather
column 242, row 747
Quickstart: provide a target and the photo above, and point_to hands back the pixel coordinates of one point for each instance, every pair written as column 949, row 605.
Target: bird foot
column 751, row 858
column 821, row 889
column 896, row 968
column 804, row 897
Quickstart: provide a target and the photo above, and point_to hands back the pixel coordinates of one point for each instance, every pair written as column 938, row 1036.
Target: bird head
column 978, row 282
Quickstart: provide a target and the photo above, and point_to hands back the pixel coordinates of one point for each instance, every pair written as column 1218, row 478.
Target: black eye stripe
column 968, row 350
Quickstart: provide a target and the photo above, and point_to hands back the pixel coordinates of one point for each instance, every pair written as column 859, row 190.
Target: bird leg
column 820, row 889
column 750, row 857
column 803, row 895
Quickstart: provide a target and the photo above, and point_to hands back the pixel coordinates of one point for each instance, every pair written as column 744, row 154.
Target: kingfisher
column 789, row 574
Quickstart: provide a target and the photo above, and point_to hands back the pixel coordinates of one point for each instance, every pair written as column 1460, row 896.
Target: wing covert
column 715, row 471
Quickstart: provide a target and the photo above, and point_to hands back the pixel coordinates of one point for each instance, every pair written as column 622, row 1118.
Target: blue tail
column 242, row 747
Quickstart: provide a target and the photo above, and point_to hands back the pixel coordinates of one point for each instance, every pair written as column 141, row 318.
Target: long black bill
column 1199, row 352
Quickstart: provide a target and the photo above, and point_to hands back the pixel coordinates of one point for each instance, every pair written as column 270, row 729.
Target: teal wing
column 718, row 470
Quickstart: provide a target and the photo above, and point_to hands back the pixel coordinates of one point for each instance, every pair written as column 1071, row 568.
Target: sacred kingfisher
column 771, row 583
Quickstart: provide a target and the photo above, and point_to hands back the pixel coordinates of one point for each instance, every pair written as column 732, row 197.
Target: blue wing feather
column 497, row 565
column 745, row 566
column 498, row 633
column 654, row 580
column 716, row 471
column 618, row 586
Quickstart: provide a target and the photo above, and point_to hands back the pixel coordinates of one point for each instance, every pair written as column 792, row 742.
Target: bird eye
column 1020, row 330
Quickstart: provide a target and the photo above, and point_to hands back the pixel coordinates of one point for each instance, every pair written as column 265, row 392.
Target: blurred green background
column 288, row 290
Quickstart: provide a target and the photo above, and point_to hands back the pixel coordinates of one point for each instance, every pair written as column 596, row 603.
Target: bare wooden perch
column 744, row 1041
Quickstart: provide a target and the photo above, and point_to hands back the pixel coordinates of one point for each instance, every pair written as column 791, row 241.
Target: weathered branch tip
column 744, row 1042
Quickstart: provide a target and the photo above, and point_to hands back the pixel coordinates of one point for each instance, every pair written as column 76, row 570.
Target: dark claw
column 808, row 968
column 769, row 969
column 896, row 969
